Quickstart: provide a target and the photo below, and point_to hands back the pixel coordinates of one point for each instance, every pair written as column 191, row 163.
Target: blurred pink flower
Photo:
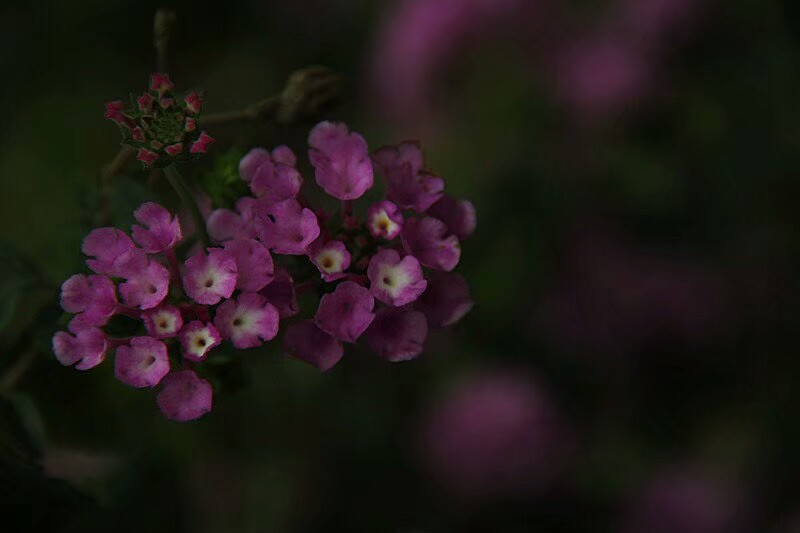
column 497, row 433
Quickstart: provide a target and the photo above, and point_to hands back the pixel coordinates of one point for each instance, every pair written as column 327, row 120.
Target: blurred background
column 631, row 362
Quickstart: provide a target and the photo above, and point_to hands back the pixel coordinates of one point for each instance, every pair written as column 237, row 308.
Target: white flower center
column 382, row 224
column 164, row 323
column 329, row 261
column 392, row 279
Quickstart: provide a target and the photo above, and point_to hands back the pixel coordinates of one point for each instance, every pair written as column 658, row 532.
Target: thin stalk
column 176, row 180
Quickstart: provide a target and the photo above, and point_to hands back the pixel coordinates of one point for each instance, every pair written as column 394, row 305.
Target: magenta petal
column 286, row 227
column 197, row 339
column 163, row 231
column 249, row 164
column 248, row 321
column 407, row 184
column 305, row 341
column 207, row 279
column 106, row 246
column 393, row 280
column 331, row 258
column 346, row 312
column 146, row 288
column 281, row 294
column 341, row 160
column 428, row 240
column 142, row 364
column 162, row 322
column 93, row 296
column 458, row 215
column 384, row 220
column 253, row 264
column 85, row 349
column 397, row 334
column 184, row 396
column 446, row 300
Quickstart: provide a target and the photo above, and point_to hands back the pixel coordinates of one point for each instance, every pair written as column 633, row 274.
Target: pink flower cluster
column 400, row 253
column 163, row 128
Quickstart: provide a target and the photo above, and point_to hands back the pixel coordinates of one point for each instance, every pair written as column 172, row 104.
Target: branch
column 162, row 30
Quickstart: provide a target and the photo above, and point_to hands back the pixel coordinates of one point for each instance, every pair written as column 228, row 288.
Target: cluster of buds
column 384, row 277
column 163, row 128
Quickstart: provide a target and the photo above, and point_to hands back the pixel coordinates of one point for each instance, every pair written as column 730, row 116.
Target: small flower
column 184, row 396
column 224, row 224
column 384, row 220
column 146, row 156
column 146, row 288
column 458, row 215
column 286, row 227
column 174, row 149
column 142, row 364
column 85, row 349
column 197, row 339
column 210, row 278
column 331, row 258
column 190, row 125
column 114, row 111
column 108, row 246
column 341, row 160
column 93, row 296
column 270, row 180
column 397, row 334
column 284, row 155
column 166, row 103
column 252, row 160
column 161, row 83
column 407, row 184
column 247, row 321
column 253, row 264
column 162, row 322
column 280, row 293
column 200, row 146
column 163, row 230
column 346, row 312
column 305, row 341
column 138, row 134
column 395, row 281
column 428, row 240
column 193, row 102
column 446, row 300
column 145, row 103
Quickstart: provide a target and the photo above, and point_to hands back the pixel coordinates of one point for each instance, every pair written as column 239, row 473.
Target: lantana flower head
column 379, row 277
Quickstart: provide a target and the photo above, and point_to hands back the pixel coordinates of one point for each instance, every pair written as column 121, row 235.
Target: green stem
column 176, row 180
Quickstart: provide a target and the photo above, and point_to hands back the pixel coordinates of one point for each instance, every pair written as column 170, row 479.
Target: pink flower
column 497, row 433
column 394, row 280
column 458, row 215
column 93, row 296
column 281, row 294
column 109, row 247
column 161, row 83
column 184, row 396
column 446, row 300
column 193, row 102
column 407, row 184
column 163, row 230
column 190, row 125
column 346, row 312
column 271, row 180
column 146, row 288
column 145, row 103
column 200, row 146
column 397, row 334
column 146, row 156
column 305, row 341
column 331, row 258
column 197, row 339
column 174, row 149
column 224, row 224
column 284, row 155
column 286, row 227
column 429, row 240
column 114, row 111
column 85, row 349
column 142, row 364
column 253, row 264
column 207, row 279
column 247, row 321
column 162, row 322
column 384, row 220
column 138, row 134
column 341, row 160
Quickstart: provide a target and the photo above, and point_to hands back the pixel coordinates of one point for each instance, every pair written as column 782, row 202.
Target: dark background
column 634, row 266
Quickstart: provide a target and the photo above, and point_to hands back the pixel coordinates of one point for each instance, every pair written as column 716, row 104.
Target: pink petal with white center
column 141, row 364
column 162, row 322
column 248, row 321
column 394, row 280
column 197, row 339
column 331, row 258
column 200, row 146
column 207, row 279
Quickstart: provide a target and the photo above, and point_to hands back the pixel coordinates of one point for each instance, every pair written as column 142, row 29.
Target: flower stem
column 176, row 180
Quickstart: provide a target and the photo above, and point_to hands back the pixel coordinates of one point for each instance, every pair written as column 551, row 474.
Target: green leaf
column 222, row 182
